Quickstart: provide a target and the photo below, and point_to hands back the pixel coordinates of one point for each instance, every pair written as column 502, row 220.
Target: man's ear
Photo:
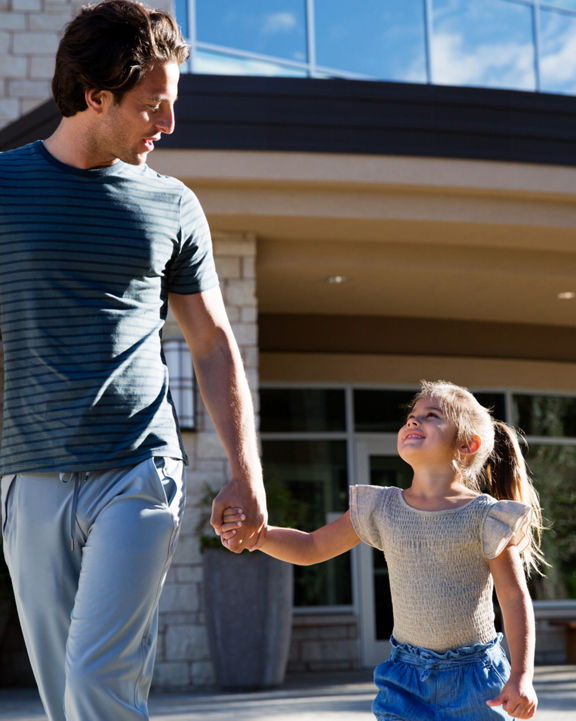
column 471, row 446
column 97, row 100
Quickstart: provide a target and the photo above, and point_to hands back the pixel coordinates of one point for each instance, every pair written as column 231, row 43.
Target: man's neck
column 68, row 144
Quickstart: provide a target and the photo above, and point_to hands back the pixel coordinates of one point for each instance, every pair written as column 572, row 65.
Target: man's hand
column 251, row 498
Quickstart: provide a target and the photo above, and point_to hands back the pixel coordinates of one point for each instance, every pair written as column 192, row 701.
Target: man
column 93, row 247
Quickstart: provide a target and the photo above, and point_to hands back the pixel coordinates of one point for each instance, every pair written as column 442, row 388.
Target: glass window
column 306, row 482
column 267, row 27
column 554, row 471
column 372, row 38
column 487, row 44
column 557, row 52
column 221, row 64
column 380, row 411
column 285, row 410
column 496, row 402
column 181, row 13
column 545, row 415
column 566, row 4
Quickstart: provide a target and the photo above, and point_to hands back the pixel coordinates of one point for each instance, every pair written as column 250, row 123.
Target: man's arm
column 224, row 388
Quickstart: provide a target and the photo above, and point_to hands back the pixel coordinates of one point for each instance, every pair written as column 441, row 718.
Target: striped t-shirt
column 87, row 259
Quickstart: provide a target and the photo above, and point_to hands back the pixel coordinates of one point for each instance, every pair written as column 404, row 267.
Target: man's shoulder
column 169, row 185
column 20, row 151
column 15, row 157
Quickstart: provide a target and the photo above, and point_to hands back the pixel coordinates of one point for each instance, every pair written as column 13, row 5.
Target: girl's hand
column 232, row 519
column 517, row 698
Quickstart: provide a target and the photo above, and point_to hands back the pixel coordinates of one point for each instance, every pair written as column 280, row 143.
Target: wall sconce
column 182, row 381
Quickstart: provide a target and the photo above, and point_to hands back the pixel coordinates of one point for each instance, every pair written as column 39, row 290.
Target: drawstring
column 78, row 479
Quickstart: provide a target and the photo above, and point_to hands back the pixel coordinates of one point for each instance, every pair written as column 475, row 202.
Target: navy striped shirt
column 87, row 259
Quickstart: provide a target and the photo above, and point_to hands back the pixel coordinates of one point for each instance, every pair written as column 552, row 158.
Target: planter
column 248, row 601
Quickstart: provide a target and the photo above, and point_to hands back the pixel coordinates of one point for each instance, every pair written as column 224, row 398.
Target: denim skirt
column 417, row 684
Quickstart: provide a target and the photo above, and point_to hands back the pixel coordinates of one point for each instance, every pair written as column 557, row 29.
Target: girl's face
column 427, row 435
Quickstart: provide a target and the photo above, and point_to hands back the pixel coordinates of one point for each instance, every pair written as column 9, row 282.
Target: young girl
column 447, row 545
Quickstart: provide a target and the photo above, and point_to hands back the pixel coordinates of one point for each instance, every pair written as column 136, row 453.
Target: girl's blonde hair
column 498, row 467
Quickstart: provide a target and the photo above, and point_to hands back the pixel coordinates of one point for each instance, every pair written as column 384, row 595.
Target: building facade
column 367, row 234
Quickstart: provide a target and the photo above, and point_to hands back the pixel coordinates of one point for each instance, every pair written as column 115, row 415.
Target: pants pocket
column 6, row 484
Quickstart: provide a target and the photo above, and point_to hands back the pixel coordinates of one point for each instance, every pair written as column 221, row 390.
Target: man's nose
column 166, row 122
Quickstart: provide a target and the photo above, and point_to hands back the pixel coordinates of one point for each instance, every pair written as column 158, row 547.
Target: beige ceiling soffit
column 396, row 171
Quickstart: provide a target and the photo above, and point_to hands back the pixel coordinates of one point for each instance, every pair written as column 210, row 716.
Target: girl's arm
column 303, row 549
column 517, row 697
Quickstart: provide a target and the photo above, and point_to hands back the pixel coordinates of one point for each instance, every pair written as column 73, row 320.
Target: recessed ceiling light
column 567, row 295
column 337, row 279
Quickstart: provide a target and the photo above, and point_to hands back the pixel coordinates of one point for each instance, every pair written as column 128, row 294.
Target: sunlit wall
column 515, row 44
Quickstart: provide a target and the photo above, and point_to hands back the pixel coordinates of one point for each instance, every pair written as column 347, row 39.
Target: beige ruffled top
column 437, row 562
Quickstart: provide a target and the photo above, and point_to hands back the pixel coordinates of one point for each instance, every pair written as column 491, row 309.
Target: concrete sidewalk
column 316, row 697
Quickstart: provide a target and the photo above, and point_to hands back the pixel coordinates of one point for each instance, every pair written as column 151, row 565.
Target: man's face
column 130, row 128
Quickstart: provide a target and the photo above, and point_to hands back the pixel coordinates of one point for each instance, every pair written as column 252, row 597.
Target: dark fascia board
column 361, row 117
column 302, row 333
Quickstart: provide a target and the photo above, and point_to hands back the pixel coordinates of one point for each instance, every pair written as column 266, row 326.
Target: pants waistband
column 453, row 657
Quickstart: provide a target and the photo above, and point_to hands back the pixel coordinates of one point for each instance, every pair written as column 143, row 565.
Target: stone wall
column 29, row 34
column 183, row 657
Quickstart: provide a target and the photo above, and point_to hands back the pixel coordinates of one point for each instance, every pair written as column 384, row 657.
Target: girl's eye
column 431, row 415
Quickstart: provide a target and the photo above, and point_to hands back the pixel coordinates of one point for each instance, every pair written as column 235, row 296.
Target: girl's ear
column 471, row 446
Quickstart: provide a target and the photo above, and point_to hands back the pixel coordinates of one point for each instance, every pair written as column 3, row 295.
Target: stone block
column 249, row 314
column 186, row 643
column 31, row 43
column 31, row 6
column 202, row 674
column 29, row 89
column 240, row 292
column 41, row 68
column 179, row 597
column 49, row 21
column 246, row 334
column 9, row 110
column 171, row 674
column 234, row 247
column 12, row 20
column 28, row 104
column 249, row 266
column 13, row 67
column 210, row 446
column 228, row 267
column 4, row 42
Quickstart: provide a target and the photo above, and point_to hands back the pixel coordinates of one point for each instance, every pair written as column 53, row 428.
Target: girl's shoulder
column 367, row 506
column 505, row 522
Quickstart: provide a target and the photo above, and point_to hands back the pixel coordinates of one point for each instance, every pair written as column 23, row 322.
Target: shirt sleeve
column 505, row 522
column 192, row 269
column 366, row 512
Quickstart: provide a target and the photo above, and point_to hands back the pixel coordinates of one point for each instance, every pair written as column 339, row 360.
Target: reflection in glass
column 221, row 64
column 385, row 471
column 566, row 4
column 377, row 411
column 294, row 410
column 266, row 27
column 372, row 38
column 545, row 415
column 488, row 44
column 314, row 473
column 557, row 52
column 554, row 472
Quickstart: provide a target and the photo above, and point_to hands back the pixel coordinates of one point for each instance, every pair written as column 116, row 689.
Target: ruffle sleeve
column 505, row 522
column 366, row 503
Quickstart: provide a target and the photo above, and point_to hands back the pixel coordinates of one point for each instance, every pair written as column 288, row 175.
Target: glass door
column 377, row 463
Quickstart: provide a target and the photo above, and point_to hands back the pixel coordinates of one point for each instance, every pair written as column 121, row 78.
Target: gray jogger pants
column 88, row 554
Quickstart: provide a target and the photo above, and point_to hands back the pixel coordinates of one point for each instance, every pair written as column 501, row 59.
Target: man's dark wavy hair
column 111, row 46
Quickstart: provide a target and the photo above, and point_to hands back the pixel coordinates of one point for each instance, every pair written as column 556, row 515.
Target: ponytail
column 507, row 478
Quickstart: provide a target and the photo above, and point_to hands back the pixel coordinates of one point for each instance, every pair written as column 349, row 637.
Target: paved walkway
column 316, row 697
